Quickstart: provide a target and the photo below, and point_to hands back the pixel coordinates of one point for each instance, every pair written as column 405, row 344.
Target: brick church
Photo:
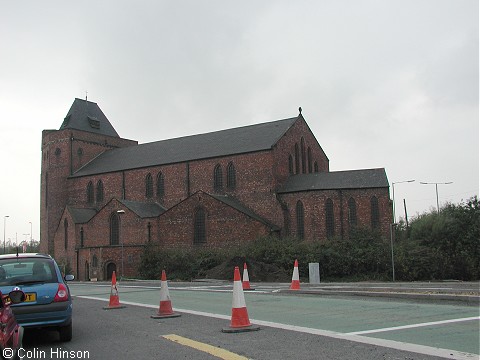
column 104, row 197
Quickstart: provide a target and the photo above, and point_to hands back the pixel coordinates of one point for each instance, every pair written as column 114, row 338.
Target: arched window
column 309, row 159
column 99, row 191
column 315, row 167
column 297, row 159
column 290, row 164
column 231, row 176
column 329, row 219
column 300, row 220
column 199, row 236
column 90, row 195
column 375, row 213
column 160, row 185
column 94, row 261
column 114, row 229
column 304, row 156
column 65, row 232
column 149, row 186
column 217, row 177
column 352, row 212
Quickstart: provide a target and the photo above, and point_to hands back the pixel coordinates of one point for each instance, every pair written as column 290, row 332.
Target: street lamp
column 120, row 212
column 393, row 191
column 436, row 189
column 4, row 226
column 394, row 223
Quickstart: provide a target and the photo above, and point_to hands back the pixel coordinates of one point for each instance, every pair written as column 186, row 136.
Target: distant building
column 104, row 197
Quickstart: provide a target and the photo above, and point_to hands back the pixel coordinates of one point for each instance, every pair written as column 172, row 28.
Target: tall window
column 352, row 212
column 199, row 236
column 149, row 186
column 309, row 160
column 329, row 219
column 375, row 213
column 231, row 176
column 90, row 194
column 82, row 236
column 217, row 177
column 290, row 164
column 99, row 191
column 300, row 220
column 114, row 229
column 304, row 156
column 315, row 167
column 297, row 159
column 65, row 232
column 160, row 185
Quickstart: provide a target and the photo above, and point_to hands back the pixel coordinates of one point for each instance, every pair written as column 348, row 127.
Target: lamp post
column 392, row 231
column 4, row 226
column 436, row 189
column 120, row 212
column 394, row 223
column 31, row 233
column 393, row 192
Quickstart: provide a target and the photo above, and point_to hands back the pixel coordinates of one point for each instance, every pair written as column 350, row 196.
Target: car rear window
column 26, row 270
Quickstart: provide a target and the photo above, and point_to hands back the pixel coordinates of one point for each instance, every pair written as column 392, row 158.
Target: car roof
column 25, row 255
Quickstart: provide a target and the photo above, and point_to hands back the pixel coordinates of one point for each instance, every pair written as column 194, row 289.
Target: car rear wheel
column 65, row 332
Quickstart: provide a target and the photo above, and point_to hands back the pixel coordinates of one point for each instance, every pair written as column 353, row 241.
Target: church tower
column 84, row 134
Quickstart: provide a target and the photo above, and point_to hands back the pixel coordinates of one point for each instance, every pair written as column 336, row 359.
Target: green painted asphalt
column 343, row 315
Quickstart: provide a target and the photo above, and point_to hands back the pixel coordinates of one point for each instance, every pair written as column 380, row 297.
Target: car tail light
column 62, row 293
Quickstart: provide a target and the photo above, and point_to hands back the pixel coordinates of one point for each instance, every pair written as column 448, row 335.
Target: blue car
column 48, row 303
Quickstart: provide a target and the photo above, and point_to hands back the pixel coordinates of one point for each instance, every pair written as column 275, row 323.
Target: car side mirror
column 16, row 296
column 69, row 277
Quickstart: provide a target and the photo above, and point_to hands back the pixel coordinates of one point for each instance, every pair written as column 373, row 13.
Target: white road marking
column 412, row 326
column 420, row 349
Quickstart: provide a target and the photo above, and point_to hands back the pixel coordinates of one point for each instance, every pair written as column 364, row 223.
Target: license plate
column 29, row 297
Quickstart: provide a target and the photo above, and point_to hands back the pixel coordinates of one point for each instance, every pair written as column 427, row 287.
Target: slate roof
column 87, row 116
column 219, row 143
column 336, row 180
column 236, row 204
column 81, row 216
column 142, row 209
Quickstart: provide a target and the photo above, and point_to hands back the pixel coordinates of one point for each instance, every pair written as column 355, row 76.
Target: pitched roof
column 87, row 116
column 336, row 180
column 219, row 143
column 236, row 204
column 81, row 216
column 143, row 209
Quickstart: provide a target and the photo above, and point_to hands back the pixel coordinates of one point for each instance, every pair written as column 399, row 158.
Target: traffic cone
column 295, row 285
column 114, row 302
column 239, row 321
column 165, row 309
column 246, row 280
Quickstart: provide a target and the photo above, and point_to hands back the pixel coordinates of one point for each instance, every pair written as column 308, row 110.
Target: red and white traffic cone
column 246, row 280
column 295, row 285
column 239, row 321
column 114, row 302
column 165, row 309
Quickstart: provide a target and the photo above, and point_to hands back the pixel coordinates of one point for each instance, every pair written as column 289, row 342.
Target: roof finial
column 300, row 110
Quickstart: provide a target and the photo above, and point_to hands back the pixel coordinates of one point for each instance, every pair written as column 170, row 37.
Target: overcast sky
column 390, row 84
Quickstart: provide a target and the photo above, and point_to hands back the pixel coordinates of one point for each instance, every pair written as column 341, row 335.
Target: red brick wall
column 225, row 226
column 286, row 147
column 314, row 211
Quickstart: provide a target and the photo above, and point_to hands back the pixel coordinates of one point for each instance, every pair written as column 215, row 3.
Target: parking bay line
column 412, row 326
column 209, row 349
column 419, row 349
